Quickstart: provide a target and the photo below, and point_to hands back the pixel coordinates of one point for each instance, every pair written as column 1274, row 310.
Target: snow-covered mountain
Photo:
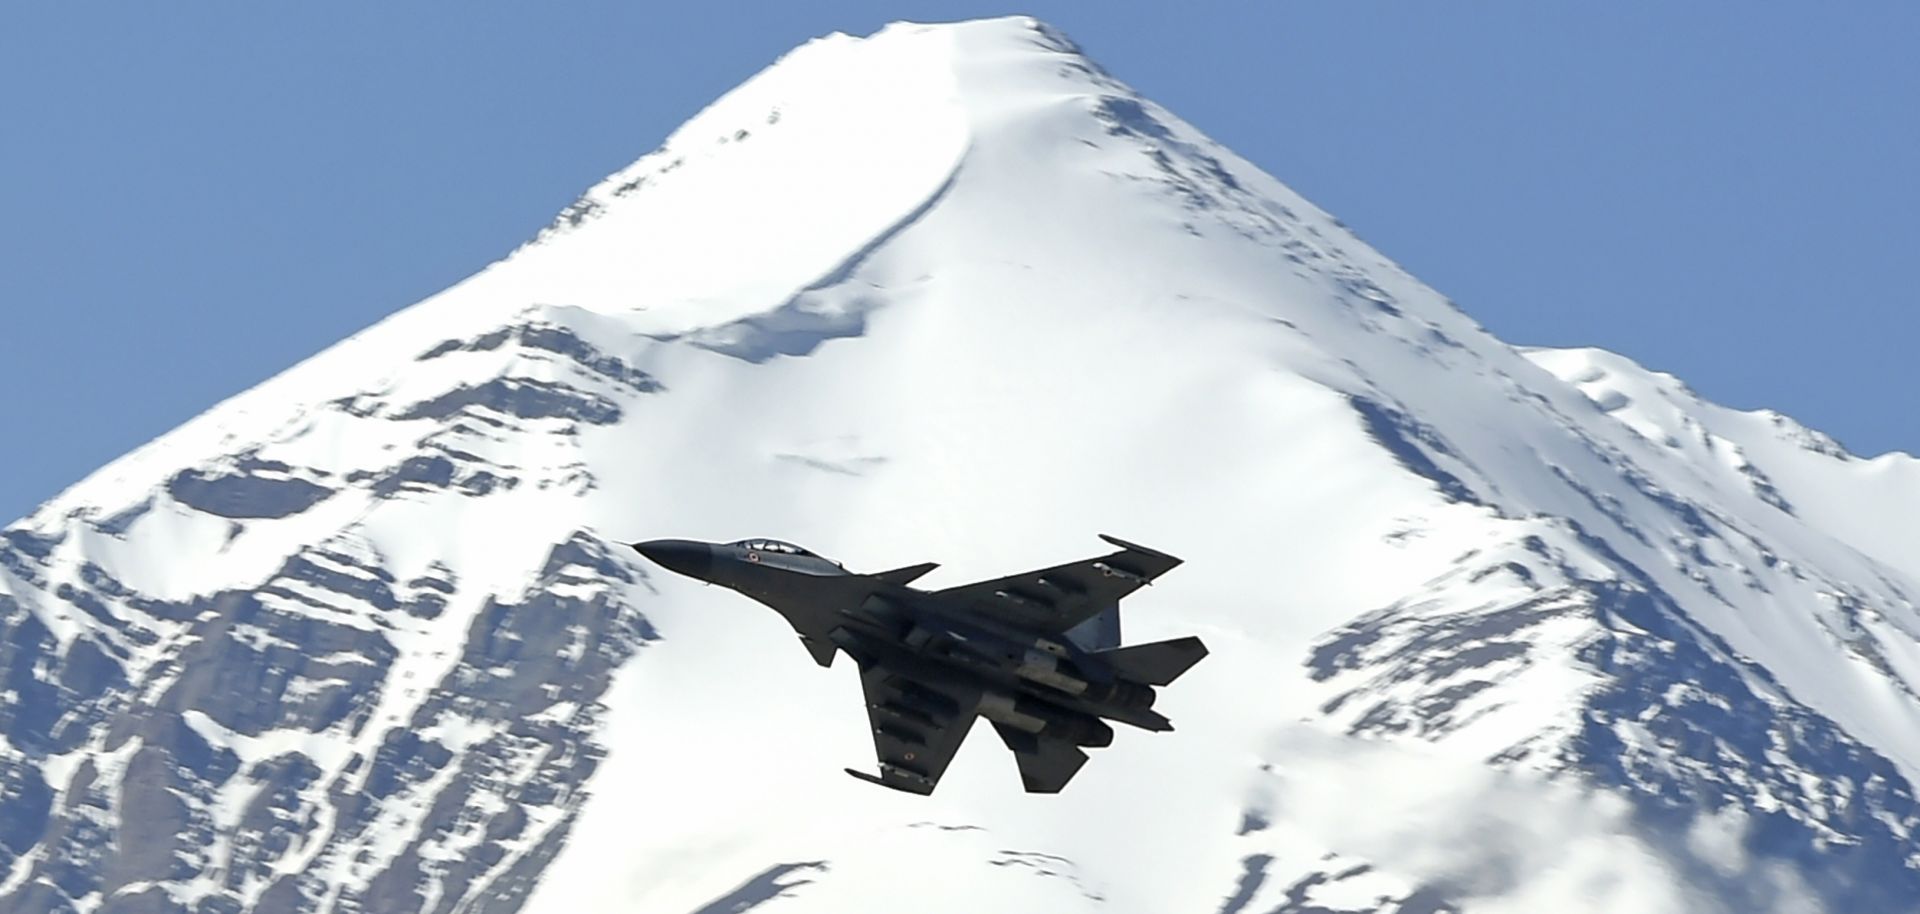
column 1493, row 629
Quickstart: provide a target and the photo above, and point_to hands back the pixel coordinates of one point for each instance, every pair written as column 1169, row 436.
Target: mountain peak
column 363, row 638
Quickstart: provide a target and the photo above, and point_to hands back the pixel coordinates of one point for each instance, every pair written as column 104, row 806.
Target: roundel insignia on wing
column 753, row 556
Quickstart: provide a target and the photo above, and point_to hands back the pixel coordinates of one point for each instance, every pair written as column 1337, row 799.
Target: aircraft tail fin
column 1098, row 632
column 907, row 575
column 1157, row 663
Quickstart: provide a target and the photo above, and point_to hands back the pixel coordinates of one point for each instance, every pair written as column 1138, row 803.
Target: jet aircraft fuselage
column 1036, row 654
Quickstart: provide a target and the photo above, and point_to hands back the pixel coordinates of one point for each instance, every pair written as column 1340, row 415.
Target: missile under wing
column 1036, row 653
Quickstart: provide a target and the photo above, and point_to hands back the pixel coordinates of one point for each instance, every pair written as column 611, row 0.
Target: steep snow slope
column 1492, row 630
column 1865, row 503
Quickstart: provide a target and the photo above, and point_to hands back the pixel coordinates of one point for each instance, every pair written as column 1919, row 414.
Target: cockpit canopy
column 780, row 547
column 786, row 548
column 759, row 545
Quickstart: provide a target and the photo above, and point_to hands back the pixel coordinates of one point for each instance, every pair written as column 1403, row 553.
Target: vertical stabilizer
column 1098, row 632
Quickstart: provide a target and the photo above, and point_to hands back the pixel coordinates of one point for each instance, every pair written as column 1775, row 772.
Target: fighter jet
column 1037, row 654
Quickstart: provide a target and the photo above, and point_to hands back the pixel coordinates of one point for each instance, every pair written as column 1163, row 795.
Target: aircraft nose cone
column 695, row 560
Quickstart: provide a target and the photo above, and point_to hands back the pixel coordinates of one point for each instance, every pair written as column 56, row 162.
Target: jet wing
column 917, row 727
column 1058, row 598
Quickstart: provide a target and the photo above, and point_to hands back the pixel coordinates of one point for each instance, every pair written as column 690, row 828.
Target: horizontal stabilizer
column 1158, row 663
column 821, row 651
column 906, row 575
column 1046, row 764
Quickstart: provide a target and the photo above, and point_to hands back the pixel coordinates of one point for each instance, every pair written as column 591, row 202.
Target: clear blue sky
column 196, row 196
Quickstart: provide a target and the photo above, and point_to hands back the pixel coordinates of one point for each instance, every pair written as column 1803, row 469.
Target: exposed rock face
column 202, row 776
column 1492, row 629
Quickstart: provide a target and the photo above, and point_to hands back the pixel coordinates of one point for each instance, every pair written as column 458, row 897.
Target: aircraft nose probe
column 687, row 557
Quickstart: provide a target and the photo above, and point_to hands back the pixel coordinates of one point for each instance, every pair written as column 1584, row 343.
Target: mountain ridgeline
column 1493, row 629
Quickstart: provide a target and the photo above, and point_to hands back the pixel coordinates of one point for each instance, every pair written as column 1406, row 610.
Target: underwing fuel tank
column 1033, row 665
column 1034, row 717
column 1037, row 652
column 1044, row 668
column 1121, row 692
